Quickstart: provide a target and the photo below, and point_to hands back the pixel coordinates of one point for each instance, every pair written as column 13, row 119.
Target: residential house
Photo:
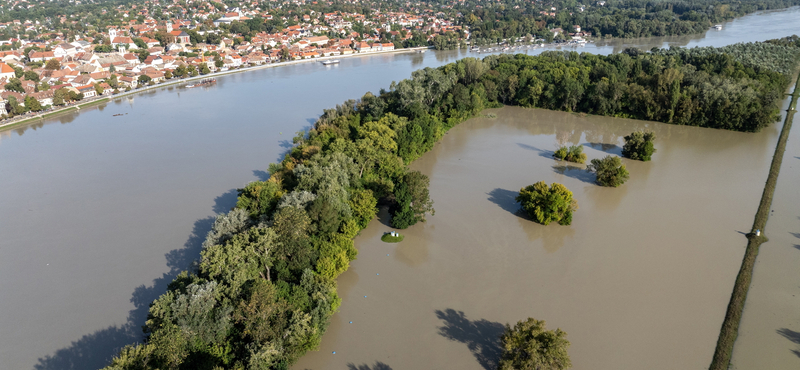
column 88, row 91
column 6, row 71
column 40, row 56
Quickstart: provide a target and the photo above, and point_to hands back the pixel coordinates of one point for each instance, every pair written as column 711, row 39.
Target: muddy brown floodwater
column 640, row 279
column 769, row 335
column 101, row 209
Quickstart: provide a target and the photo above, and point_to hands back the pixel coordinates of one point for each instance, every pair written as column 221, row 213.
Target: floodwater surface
column 643, row 273
column 769, row 335
column 100, row 212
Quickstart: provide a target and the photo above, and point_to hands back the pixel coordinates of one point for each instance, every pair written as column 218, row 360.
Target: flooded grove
column 643, row 273
column 99, row 212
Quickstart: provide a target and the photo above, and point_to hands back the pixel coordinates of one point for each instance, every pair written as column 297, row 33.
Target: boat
column 204, row 82
column 718, row 27
column 329, row 62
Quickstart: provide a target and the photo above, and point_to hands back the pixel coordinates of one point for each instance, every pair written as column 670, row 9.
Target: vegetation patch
column 571, row 154
column 639, row 145
column 529, row 345
column 610, row 171
column 389, row 238
column 547, row 204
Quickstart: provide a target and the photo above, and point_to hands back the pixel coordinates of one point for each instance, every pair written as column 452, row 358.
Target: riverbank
column 84, row 259
column 176, row 81
column 756, row 237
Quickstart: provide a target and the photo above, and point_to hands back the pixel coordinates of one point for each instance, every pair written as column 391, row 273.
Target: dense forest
column 264, row 289
column 629, row 18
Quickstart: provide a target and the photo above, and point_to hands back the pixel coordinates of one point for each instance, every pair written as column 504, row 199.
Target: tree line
column 264, row 289
column 632, row 18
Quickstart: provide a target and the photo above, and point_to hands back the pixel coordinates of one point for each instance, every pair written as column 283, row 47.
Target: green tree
column 610, row 171
column 103, row 49
column 180, row 71
column 31, row 76
column 60, row 96
column 639, row 145
column 364, row 206
column 412, row 200
column 546, row 204
column 98, row 89
column 53, row 64
column 143, row 79
column 205, row 69
column 530, row 346
column 32, row 104
column 168, row 74
column 572, row 154
column 15, row 85
column 139, row 43
column 259, row 197
column 142, row 53
column 14, row 107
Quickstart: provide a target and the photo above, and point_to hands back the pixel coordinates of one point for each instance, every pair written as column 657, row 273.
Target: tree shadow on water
column 94, row 351
column 482, row 337
column 575, row 173
column 793, row 336
column 608, row 148
column 225, row 202
column 507, row 200
column 378, row 366
column 542, row 152
column 261, row 175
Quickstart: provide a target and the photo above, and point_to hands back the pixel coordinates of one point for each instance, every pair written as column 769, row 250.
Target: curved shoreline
column 93, row 101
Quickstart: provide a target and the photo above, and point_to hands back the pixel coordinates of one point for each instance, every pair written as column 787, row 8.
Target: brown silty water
column 769, row 334
column 101, row 211
column 639, row 280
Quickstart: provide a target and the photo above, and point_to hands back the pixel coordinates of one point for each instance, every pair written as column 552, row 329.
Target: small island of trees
column 528, row 345
column 610, row 171
column 571, row 154
column 547, row 204
column 639, row 145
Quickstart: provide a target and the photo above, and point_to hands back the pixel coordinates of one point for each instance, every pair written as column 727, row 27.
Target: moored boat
column 204, row 82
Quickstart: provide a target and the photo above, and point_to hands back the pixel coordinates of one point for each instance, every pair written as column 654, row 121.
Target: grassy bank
column 388, row 238
column 730, row 326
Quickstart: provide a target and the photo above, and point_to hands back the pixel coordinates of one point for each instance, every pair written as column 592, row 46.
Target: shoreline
column 729, row 330
column 174, row 81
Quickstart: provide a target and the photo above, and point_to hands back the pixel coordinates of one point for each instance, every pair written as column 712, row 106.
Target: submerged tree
column 530, row 346
column 610, row 171
column 639, row 145
column 571, row 154
column 546, row 204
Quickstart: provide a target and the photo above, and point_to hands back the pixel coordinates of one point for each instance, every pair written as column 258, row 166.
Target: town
column 51, row 61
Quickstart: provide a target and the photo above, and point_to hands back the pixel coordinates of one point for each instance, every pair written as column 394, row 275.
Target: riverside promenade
column 31, row 118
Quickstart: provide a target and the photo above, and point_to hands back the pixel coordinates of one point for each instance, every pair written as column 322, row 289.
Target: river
column 101, row 211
